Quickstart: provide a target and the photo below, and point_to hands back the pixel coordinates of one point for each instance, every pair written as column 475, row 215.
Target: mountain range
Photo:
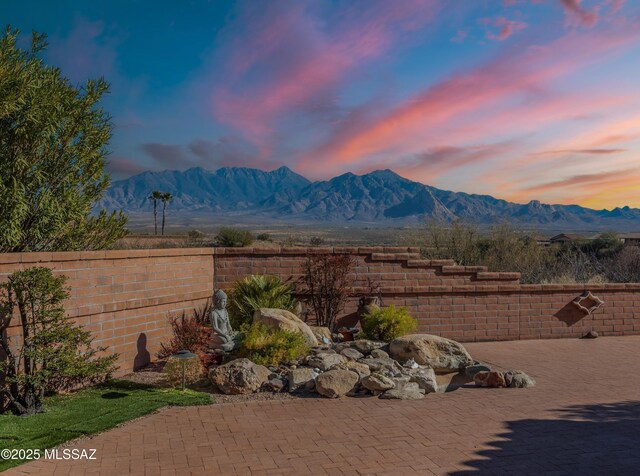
column 377, row 197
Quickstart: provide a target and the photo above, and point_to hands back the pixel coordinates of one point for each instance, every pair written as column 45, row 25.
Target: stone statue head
column 220, row 298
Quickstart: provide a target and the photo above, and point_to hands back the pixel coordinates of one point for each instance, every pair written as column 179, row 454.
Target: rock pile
column 408, row 368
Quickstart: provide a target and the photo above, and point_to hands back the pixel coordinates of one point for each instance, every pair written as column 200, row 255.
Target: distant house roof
column 566, row 237
column 629, row 236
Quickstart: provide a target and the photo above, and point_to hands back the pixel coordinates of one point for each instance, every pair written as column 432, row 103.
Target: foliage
column 503, row 248
column 53, row 147
column 263, row 237
column 155, row 196
column 327, row 282
column 256, row 291
column 193, row 370
column 267, row 346
column 234, row 237
column 190, row 333
column 54, row 354
column 316, row 241
column 388, row 323
column 87, row 412
column 195, row 236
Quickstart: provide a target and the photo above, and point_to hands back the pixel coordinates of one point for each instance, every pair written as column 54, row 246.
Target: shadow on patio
column 583, row 439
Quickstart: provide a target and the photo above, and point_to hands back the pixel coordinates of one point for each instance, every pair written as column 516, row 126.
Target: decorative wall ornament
column 588, row 303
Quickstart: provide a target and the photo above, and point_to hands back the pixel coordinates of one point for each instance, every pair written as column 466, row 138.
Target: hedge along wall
column 125, row 298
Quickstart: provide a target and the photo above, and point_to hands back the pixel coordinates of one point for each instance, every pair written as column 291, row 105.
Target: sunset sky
column 519, row 99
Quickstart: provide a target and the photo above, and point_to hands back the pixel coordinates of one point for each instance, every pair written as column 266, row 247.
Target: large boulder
column 408, row 392
column 282, row 319
column 493, row 379
column 336, row 383
column 239, row 376
column 443, row 355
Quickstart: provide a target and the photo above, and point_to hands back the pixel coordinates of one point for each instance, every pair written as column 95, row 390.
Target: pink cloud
column 506, row 28
column 291, row 60
column 577, row 13
column 436, row 113
column 122, row 167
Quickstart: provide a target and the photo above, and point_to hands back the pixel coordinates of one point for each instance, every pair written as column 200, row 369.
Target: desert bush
column 189, row 332
column 388, row 323
column 234, row 237
column 316, row 241
column 327, row 283
column 53, row 354
column 263, row 237
column 270, row 347
column 624, row 267
column 195, row 236
column 256, row 291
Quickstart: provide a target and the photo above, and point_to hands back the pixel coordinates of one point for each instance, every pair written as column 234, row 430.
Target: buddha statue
column 225, row 337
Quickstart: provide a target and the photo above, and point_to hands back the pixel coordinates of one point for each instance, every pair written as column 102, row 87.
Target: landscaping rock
column 325, row 361
column 240, row 376
column 490, row 379
column 361, row 369
column 443, row 355
column 336, row 383
column 472, row 370
column 402, row 394
column 377, row 383
column 282, row 319
column 518, row 379
column 351, row 354
column 275, row 385
column 379, row 354
column 381, row 364
column 322, row 334
column 366, row 346
column 425, row 378
column 298, row 378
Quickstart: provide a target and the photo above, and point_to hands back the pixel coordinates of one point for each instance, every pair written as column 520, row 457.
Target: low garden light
column 184, row 356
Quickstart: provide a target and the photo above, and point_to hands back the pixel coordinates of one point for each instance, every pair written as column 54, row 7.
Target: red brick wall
column 123, row 296
column 464, row 303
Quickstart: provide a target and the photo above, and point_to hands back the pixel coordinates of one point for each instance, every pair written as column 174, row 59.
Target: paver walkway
column 582, row 418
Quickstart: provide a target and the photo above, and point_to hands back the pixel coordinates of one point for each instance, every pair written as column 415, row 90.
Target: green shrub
column 234, row 238
column 388, row 323
column 258, row 291
column 54, row 353
column 264, row 237
column 193, row 370
column 267, row 346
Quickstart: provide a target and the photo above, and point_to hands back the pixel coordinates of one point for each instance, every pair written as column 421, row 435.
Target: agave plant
column 258, row 291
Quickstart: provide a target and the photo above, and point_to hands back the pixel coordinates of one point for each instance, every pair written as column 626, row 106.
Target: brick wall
column 463, row 303
column 126, row 297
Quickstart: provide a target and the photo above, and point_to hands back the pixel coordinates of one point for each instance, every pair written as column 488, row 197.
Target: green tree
column 52, row 352
column 53, row 144
column 166, row 198
column 155, row 196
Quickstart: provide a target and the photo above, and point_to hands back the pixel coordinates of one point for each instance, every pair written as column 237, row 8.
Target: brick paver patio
column 582, row 418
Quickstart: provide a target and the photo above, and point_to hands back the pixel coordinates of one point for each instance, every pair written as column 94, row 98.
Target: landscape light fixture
column 183, row 356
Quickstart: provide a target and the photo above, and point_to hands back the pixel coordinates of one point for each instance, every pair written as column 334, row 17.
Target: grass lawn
column 87, row 412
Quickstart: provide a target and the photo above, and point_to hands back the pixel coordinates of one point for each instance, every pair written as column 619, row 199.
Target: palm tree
column 155, row 196
column 166, row 198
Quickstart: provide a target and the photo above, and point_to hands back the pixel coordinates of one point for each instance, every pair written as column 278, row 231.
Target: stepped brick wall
column 126, row 297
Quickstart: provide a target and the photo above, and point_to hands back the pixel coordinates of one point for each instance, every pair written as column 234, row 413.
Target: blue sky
column 520, row 99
